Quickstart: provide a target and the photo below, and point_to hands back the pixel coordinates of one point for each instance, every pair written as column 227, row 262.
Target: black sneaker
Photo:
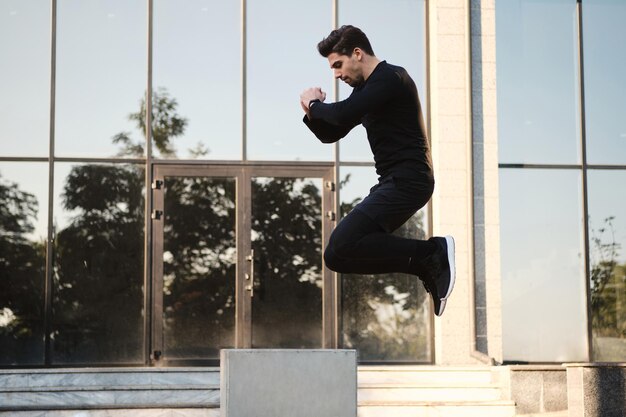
column 429, row 284
column 439, row 273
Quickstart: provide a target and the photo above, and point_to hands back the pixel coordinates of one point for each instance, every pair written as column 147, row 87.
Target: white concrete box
column 288, row 383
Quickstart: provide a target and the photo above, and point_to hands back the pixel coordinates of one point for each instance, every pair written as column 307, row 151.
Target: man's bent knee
column 332, row 261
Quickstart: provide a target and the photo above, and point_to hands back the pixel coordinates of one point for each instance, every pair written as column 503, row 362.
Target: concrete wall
column 288, row 382
column 485, row 173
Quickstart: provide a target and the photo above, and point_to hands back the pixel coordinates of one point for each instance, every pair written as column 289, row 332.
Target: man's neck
column 369, row 66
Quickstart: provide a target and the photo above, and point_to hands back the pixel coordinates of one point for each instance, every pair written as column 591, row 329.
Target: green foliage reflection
column 22, row 267
column 199, row 265
column 287, row 243
column 608, row 295
column 98, row 267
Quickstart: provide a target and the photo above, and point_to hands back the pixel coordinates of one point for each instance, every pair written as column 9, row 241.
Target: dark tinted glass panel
column 607, row 244
column 386, row 316
column 544, row 317
column 538, row 82
column 287, row 244
column 605, row 80
column 98, row 264
column 100, row 77
column 375, row 18
column 23, row 235
column 197, row 60
column 199, row 266
column 24, row 77
column 282, row 60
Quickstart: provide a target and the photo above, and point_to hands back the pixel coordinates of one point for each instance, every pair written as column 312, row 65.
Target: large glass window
column 539, row 119
column 538, row 82
column 605, row 80
column 197, row 61
column 24, row 77
column 23, row 235
column 607, row 245
column 385, row 316
column 208, row 100
column 101, row 76
column 98, row 264
column 408, row 20
column 282, row 60
column 544, row 315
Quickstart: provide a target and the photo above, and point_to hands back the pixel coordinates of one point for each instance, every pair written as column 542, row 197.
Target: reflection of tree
column 167, row 124
column 287, row 240
column 98, row 271
column 199, row 265
column 386, row 316
column 99, row 257
column 22, row 266
column 608, row 284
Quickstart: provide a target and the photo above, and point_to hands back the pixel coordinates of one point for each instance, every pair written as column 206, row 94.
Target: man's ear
column 358, row 53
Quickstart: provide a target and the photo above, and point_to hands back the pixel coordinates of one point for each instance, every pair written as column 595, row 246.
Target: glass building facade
column 161, row 197
column 562, row 159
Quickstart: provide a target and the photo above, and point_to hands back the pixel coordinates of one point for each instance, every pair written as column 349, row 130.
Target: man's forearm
column 326, row 132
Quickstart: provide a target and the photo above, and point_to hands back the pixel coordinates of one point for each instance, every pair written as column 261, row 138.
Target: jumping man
column 384, row 100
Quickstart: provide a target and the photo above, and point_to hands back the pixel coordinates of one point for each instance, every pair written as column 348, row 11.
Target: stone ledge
column 152, row 370
column 494, row 403
column 595, row 365
column 530, row 368
column 125, row 412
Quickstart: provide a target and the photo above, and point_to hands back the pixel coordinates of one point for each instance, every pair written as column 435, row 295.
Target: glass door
column 195, row 261
column 292, row 291
column 237, row 260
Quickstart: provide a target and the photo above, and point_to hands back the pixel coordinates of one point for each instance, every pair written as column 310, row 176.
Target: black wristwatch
column 313, row 101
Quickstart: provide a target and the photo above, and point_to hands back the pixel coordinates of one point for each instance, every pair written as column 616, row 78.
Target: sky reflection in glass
column 605, row 80
column 282, row 61
column 24, row 78
column 197, row 60
column 541, row 235
column 101, row 74
column 538, row 82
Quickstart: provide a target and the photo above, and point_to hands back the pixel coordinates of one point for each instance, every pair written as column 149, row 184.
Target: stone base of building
column 573, row 390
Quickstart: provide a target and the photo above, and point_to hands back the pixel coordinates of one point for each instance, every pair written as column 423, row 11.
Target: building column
column 451, row 120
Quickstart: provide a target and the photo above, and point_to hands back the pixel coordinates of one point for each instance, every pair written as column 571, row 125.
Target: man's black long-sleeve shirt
column 388, row 106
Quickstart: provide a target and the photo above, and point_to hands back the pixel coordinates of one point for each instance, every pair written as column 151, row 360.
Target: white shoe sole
column 450, row 243
column 442, row 307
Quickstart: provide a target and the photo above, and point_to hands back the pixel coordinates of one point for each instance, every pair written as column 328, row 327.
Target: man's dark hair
column 343, row 41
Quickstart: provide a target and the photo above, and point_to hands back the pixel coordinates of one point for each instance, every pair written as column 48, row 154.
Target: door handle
column 250, row 276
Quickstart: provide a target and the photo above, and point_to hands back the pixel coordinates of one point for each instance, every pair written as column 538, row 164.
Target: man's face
column 347, row 68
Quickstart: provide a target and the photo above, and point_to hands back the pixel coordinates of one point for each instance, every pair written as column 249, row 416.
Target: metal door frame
column 243, row 174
